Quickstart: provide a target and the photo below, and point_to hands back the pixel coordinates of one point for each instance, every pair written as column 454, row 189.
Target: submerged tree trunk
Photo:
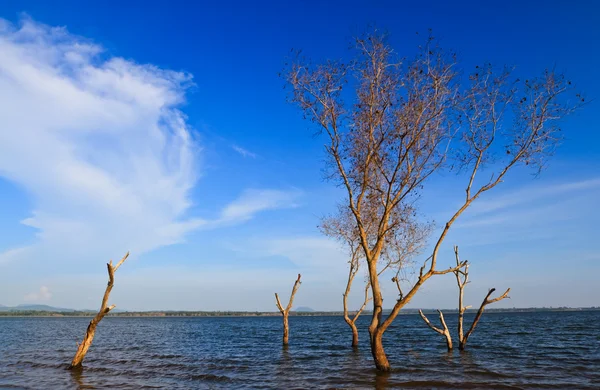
column 486, row 301
column 461, row 272
column 444, row 331
column 375, row 329
column 286, row 329
column 462, row 278
column 285, row 312
column 83, row 347
column 354, row 335
column 461, row 290
column 379, row 356
column 352, row 321
column 342, row 227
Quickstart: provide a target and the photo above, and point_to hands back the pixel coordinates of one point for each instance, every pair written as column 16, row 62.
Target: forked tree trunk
column 286, row 311
column 83, row 347
column 444, row 331
column 352, row 321
column 462, row 278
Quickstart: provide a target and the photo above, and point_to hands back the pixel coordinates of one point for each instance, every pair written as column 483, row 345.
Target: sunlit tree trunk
column 285, row 312
column 351, row 321
column 379, row 356
column 444, row 331
column 462, row 278
column 82, row 348
column 286, row 329
column 486, row 301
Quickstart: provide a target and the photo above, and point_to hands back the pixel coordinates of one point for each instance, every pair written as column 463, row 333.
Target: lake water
column 508, row 350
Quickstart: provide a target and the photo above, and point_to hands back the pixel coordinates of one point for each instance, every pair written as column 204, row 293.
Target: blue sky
column 163, row 128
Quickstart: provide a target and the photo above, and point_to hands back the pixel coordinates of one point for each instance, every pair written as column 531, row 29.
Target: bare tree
column 397, row 131
column 462, row 278
column 83, row 347
column 407, row 239
column 286, row 311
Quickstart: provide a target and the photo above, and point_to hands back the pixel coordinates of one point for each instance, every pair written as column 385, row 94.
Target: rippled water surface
column 508, row 350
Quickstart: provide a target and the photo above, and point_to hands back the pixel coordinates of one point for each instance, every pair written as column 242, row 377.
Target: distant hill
column 50, row 309
column 305, row 309
column 35, row 308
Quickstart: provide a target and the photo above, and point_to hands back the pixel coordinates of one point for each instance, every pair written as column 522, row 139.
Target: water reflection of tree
column 382, row 380
column 285, row 366
column 80, row 380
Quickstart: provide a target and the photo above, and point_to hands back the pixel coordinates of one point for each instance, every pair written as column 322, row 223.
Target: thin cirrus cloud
column 557, row 215
column 99, row 144
column 528, row 195
column 253, row 201
column 540, row 204
column 243, row 152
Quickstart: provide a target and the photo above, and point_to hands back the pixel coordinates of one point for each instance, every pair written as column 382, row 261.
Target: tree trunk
column 443, row 331
column 354, row 334
column 486, row 301
column 352, row 322
column 379, row 356
column 83, row 347
column 448, row 340
column 286, row 329
column 286, row 311
column 461, row 316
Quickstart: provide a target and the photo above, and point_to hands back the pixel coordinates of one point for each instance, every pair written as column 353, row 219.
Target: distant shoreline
column 181, row 313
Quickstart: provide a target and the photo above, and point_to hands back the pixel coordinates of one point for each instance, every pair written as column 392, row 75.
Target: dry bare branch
column 83, row 347
column 444, row 331
column 486, row 301
column 285, row 312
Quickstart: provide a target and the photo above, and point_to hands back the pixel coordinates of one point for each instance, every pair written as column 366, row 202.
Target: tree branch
column 83, row 347
column 486, row 301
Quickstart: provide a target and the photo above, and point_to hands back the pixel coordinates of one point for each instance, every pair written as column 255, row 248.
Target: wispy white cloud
column 97, row 141
column 310, row 253
column 43, row 294
column 244, row 208
column 558, row 216
column 99, row 144
column 531, row 194
column 253, row 201
column 12, row 254
column 243, row 152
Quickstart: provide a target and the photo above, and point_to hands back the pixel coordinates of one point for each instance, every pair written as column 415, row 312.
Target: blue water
column 549, row 350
